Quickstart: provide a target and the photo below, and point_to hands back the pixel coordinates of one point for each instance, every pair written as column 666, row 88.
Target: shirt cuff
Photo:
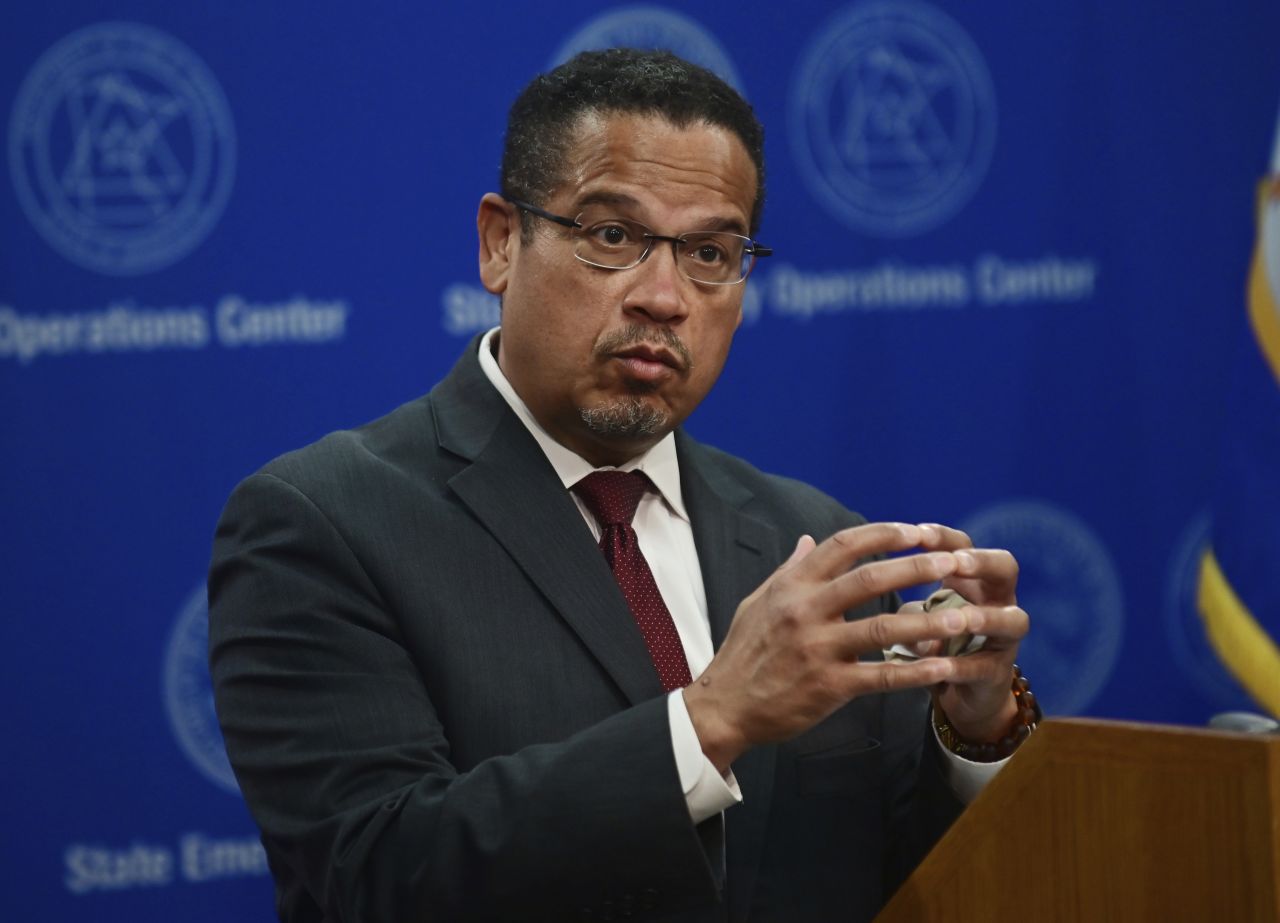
column 966, row 777
column 706, row 792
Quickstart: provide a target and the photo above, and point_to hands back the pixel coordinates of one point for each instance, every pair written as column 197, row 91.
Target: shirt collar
column 660, row 463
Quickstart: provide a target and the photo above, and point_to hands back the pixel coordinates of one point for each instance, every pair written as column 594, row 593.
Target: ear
column 499, row 226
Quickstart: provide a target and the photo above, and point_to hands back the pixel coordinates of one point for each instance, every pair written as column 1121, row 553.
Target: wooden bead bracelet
column 1024, row 722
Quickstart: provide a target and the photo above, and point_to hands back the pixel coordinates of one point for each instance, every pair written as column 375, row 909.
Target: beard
column 627, row 418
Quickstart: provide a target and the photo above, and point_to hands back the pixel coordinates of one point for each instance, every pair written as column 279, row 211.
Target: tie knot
column 612, row 496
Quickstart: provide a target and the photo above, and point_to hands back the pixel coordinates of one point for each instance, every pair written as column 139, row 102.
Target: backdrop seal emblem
column 652, row 28
column 1069, row 586
column 121, row 148
column 892, row 117
column 188, row 693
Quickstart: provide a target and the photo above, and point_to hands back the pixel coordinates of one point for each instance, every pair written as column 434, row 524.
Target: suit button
column 649, row 899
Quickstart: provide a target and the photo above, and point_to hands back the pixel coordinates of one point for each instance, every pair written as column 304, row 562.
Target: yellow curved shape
column 1244, row 646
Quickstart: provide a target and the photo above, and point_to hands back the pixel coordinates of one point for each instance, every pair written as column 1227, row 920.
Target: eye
column 707, row 250
column 709, row 253
column 611, row 234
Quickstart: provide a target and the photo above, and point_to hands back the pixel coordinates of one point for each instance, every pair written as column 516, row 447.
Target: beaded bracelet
column 1024, row 722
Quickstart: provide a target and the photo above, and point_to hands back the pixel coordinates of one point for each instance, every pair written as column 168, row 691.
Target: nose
column 659, row 290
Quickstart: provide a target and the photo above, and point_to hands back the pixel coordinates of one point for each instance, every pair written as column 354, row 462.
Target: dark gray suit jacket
column 439, row 707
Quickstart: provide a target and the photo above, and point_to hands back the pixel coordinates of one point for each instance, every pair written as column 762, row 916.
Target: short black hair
column 540, row 126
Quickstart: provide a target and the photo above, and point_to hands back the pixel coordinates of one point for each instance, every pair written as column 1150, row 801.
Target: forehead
column 659, row 170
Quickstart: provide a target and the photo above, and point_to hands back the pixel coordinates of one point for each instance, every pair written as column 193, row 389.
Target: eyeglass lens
column 717, row 257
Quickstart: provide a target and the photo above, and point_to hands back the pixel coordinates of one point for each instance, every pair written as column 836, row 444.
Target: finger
column 804, row 547
column 985, row 575
column 920, row 648
column 848, row 546
column 1002, row 625
column 880, row 632
column 994, row 564
column 875, row 578
column 936, row 537
column 989, row 670
column 1005, row 629
column 927, row 648
column 876, row 676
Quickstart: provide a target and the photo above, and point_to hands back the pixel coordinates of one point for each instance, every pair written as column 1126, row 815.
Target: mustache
column 636, row 334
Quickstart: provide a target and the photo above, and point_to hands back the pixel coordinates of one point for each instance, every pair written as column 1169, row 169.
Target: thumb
column 802, row 549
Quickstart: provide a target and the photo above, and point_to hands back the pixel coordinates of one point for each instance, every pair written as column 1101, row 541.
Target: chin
column 626, row 418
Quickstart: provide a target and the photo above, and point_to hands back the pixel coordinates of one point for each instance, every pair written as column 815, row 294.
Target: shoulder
column 773, row 497
column 411, row 442
column 383, row 447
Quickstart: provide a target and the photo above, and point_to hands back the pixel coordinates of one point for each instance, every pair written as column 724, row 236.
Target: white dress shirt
column 662, row 527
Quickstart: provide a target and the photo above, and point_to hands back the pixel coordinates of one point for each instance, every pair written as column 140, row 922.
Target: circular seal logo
column 188, row 693
column 1184, row 628
column 1068, row 584
column 652, row 28
column 121, row 148
column 892, row 117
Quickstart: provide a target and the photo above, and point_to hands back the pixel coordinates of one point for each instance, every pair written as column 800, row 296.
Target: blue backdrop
column 1011, row 248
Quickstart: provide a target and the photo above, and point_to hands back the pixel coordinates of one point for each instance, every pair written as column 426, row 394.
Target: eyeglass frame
column 756, row 249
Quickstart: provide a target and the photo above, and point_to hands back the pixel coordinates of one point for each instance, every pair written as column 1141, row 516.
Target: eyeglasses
column 609, row 242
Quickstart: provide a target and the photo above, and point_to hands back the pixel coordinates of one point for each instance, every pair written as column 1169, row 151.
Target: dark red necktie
column 612, row 496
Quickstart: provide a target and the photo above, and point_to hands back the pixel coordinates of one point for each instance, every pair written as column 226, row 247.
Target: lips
column 647, row 366
column 648, row 353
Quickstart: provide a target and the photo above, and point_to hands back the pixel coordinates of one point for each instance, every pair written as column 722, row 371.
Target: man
column 443, row 701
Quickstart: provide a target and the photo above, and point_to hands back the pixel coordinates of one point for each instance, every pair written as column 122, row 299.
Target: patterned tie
column 612, row 496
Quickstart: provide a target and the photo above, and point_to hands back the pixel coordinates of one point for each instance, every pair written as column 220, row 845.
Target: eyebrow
column 606, row 197
column 623, row 200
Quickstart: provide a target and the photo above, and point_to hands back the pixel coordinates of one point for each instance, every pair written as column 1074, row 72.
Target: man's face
column 610, row 361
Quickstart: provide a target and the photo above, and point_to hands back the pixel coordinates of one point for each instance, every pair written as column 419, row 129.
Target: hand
column 976, row 698
column 790, row 658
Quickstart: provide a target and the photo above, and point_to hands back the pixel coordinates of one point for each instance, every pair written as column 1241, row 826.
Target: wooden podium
column 1104, row 820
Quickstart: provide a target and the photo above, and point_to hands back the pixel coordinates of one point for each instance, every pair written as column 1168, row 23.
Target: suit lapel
column 514, row 492
column 737, row 553
column 509, row 483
